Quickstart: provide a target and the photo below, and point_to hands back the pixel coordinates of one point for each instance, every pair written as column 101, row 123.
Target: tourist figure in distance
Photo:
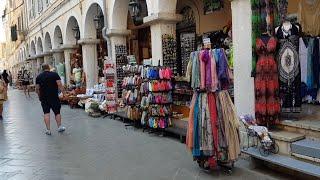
column 5, row 78
column 2, row 95
column 47, row 85
column 26, row 83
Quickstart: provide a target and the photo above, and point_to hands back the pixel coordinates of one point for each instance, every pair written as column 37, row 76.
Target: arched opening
column 47, row 42
column 39, row 46
column 73, row 34
column 59, row 56
column 57, row 37
column 32, row 49
column 129, row 15
column 48, row 50
column 94, row 22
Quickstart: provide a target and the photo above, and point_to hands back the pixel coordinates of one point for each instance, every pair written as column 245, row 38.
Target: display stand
column 157, row 102
column 121, row 60
column 131, row 92
column 213, row 129
column 110, row 84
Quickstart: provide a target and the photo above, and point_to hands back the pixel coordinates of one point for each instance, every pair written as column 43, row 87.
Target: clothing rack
column 213, row 130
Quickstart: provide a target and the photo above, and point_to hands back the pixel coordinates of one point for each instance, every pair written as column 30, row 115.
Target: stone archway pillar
column 90, row 61
column 117, row 37
column 34, row 70
column 58, row 57
column 160, row 24
column 242, row 48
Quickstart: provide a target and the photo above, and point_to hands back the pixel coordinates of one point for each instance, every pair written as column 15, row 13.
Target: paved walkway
column 92, row 149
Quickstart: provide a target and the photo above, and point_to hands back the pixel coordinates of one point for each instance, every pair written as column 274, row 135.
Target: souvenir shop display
column 169, row 47
column 289, row 67
column 156, row 102
column 121, row 60
column 213, row 129
column 93, row 98
column 110, row 103
column 131, row 90
column 182, row 93
column 188, row 45
column 78, row 78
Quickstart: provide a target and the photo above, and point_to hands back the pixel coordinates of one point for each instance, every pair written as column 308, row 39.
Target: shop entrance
column 186, row 39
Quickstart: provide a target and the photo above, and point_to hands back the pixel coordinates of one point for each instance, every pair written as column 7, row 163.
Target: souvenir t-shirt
column 77, row 74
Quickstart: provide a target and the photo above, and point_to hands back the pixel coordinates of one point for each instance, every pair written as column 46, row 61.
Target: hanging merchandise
column 310, row 68
column 121, row 60
column 309, row 15
column 110, row 84
column 264, row 18
column 157, row 100
column 267, row 103
column 131, row 95
column 169, row 47
column 187, row 41
column 289, row 67
column 213, row 128
column 209, row 6
column 282, row 9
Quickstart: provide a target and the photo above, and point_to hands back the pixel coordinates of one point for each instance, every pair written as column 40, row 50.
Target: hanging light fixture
column 135, row 9
column 98, row 19
column 76, row 31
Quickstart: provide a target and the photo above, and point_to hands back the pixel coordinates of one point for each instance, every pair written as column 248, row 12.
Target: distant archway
column 47, row 42
column 39, row 46
column 57, row 37
column 70, row 30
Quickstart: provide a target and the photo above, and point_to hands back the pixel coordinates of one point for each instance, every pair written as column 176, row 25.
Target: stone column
column 90, row 61
column 67, row 51
column 34, row 70
column 242, row 48
column 117, row 37
column 58, row 56
column 160, row 24
column 39, row 63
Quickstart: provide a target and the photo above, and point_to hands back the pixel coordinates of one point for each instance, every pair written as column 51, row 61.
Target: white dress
column 303, row 56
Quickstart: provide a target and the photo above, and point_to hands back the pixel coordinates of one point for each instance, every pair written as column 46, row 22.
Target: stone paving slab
column 94, row 148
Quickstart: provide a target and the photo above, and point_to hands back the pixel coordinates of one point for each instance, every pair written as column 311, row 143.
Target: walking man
column 47, row 86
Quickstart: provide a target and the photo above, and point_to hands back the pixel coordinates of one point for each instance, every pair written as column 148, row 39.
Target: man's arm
column 60, row 86
column 38, row 90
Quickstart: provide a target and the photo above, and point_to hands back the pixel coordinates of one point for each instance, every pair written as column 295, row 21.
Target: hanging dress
column 267, row 106
column 289, row 69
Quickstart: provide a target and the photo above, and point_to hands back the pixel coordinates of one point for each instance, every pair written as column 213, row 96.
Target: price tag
column 206, row 41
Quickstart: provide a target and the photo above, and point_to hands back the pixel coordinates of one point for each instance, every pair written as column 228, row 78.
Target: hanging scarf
column 203, row 61
column 215, row 82
column 189, row 138
column 232, row 125
column 195, row 80
column 196, row 145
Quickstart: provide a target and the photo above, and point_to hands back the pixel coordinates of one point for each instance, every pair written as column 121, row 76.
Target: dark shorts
column 25, row 83
column 53, row 104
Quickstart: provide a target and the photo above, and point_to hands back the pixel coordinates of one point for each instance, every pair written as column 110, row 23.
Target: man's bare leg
column 58, row 120
column 47, row 122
